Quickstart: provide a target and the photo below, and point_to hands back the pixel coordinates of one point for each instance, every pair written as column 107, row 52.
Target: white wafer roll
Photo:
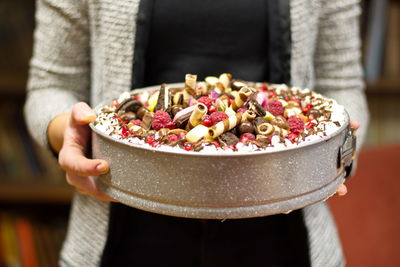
column 197, row 133
column 223, row 126
column 244, row 93
column 197, row 114
column 265, row 128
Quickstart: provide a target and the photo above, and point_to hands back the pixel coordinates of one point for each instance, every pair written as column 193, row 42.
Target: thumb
column 82, row 114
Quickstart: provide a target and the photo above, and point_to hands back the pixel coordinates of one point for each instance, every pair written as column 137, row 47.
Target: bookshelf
column 34, row 196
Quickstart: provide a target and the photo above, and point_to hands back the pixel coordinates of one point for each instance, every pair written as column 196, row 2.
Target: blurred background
column 35, row 200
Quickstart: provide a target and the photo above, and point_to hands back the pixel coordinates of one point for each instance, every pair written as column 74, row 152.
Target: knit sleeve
column 338, row 69
column 59, row 69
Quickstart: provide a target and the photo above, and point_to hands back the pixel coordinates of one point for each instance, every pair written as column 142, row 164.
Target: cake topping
column 220, row 114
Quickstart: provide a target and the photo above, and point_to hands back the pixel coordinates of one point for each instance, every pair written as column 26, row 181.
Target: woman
column 94, row 50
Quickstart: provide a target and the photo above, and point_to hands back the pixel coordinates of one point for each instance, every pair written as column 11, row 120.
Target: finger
column 71, row 159
column 82, row 113
column 86, row 186
column 354, row 124
column 342, row 190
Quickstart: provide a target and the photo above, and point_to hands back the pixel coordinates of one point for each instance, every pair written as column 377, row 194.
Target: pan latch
column 347, row 151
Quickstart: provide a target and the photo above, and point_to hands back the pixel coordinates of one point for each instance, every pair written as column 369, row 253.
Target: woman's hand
column 342, row 189
column 80, row 170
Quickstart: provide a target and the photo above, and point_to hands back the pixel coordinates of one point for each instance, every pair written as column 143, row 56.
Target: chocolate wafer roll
column 248, row 116
column 244, row 93
column 197, row 133
column 189, row 88
column 223, row 126
column 197, row 114
column 225, row 80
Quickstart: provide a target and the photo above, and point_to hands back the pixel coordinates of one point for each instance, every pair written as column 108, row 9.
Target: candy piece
column 195, row 134
column 281, row 122
column 135, row 128
column 128, row 116
column 224, row 126
column 146, row 120
column 189, row 88
column 228, row 138
column 164, row 99
column 175, row 109
column 244, row 93
column 184, row 113
column 177, row 131
column 268, row 116
column 178, row 98
column 153, row 101
column 129, row 105
column 249, row 116
column 141, row 111
column 197, row 114
column 246, row 127
column 256, row 107
column 294, row 111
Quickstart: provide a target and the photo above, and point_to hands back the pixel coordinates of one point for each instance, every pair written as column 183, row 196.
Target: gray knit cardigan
column 83, row 52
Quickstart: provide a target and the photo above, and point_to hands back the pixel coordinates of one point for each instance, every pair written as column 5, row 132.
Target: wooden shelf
column 384, row 86
column 40, row 192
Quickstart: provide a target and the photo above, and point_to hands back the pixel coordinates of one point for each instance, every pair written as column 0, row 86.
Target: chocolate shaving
column 337, row 123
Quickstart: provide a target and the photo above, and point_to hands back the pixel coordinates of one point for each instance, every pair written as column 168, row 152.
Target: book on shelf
column 391, row 67
column 21, row 160
column 28, row 241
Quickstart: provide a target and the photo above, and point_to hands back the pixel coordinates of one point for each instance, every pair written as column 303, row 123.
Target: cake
column 220, row 115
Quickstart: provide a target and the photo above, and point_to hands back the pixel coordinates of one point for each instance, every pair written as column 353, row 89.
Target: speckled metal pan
column 224, row 186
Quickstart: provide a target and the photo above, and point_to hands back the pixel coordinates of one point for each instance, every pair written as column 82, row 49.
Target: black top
column 231, row 38
column 248, row 39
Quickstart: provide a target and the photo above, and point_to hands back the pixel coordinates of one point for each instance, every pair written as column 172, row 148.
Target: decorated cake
column 220, row 114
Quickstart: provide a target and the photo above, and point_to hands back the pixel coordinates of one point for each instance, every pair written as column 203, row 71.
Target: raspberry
column 151, row 140
column 212, row 109
column 187, row 147
column 161, row 119
column 306, row 109
column 172, row 137
column 246, row 137
column 310, row 125
column 170, row 125
column 218, row 116
column 125, row 131
column 136, row 122
column 181, row 136
column 292, row 137
column 206, row 101
column 296, row 124
column 206, row 120
column 275, row 107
